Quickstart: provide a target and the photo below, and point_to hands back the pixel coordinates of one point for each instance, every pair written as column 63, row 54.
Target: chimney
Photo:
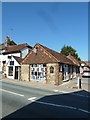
column 6, row 41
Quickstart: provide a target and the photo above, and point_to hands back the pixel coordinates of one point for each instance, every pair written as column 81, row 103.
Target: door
column 16, row 72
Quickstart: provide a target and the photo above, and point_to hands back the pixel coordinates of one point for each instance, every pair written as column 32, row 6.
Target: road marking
column 55, row 90
column 56, row 105
column 64, row 92
column 80, row 95
column 84, row 110
column 64, row 106
column 12, row 92
column 32, row 99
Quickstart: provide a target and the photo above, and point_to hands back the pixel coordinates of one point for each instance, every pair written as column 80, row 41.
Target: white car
column 86, row 73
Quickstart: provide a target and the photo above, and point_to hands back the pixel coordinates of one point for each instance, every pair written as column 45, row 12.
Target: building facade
column 47, row 65
column 10, row 59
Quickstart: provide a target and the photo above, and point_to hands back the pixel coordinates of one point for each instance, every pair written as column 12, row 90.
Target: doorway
column 16, row 72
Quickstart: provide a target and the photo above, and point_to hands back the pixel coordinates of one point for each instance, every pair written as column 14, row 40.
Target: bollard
column 79, row 83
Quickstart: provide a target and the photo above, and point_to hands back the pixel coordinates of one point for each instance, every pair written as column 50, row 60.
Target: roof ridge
column 57, row 53
column 48, row 51
column 17, row 45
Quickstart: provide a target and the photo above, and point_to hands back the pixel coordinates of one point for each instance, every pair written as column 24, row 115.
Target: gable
column 38, row 57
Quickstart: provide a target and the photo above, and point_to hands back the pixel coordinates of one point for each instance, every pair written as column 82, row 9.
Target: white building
column 10, row 59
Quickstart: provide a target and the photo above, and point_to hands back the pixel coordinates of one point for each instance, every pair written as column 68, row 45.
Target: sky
column 52, row 24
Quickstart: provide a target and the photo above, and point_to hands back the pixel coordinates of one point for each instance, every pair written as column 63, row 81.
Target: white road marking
column 84, row 110
column 32, row 99
column 80, row 95
column 56, row 105
column 55, row 90
column 64, row 106
column 12, row 92
column 63, row 91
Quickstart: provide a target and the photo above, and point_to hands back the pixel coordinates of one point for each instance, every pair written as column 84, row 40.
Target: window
column 60, row 68
column 51, row 69
column 44, row 65
column 9, row 57
column 10, row 71
column 11, row 62
column 38, row 71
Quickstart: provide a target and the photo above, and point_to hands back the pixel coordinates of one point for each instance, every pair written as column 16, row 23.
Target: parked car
column 86, row 73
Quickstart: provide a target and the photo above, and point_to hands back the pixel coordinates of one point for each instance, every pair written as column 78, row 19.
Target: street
column 25, row 102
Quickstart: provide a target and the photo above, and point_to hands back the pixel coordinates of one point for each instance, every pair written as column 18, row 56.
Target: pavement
column 66, row 87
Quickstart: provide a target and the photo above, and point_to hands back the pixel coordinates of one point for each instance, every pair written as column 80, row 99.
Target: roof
column 44, row 55
column 58, row 56
column 15, row 48
column 86, row 63
column 75, row 61
column 18, row 59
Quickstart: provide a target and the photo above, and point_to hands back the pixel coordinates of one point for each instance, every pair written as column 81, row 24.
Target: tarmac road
column 25, row 102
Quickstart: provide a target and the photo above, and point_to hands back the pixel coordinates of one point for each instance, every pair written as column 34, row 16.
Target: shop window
column 51, row 69
column 10, row 71
column 60, row 68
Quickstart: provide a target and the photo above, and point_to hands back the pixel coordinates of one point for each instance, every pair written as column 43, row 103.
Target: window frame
column 51, row 69
column 10, row 72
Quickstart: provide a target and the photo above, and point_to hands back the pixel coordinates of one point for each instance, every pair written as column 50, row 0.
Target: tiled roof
column 86, row 63
column 15, row 48
column 44, row 55
column 58, row 56
column 76, row 62
column 18, row 59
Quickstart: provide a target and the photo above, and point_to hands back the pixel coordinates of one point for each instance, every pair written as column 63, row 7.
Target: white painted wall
column 24, row 52
column 21, row 54
column 14, row 54
column 15, row 64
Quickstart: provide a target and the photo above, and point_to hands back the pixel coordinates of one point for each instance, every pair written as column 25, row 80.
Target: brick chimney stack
column 6, row 41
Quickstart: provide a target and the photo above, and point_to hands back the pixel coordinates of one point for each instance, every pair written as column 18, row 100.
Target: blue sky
column 51, row 24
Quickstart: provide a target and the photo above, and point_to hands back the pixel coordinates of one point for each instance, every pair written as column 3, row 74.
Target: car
column 86, row 73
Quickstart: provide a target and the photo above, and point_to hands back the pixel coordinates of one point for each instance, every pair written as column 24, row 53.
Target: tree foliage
column 66, row 50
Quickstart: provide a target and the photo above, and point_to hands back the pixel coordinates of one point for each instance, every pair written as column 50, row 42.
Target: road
column 25, row 102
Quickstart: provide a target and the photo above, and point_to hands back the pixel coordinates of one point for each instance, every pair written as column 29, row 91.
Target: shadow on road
column 70, row 105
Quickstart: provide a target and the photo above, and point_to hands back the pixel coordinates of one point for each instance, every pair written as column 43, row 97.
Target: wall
column 8, row 64
column 1, row 58
column 25, row 72
column 53, row 77
column 24, row 52
column 14, row 54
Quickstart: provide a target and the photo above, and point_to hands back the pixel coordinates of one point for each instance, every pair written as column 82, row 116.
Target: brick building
column 42, row 63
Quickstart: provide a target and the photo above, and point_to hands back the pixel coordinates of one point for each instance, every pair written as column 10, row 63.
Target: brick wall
column 56, row 77
column 25, row 71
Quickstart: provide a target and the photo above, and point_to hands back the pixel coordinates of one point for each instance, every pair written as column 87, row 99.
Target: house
column 84, row 65
column 7, row 42
column 47, row 65
column 10, row 59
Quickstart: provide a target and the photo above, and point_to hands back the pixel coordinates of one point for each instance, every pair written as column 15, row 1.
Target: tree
column 66, row 50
